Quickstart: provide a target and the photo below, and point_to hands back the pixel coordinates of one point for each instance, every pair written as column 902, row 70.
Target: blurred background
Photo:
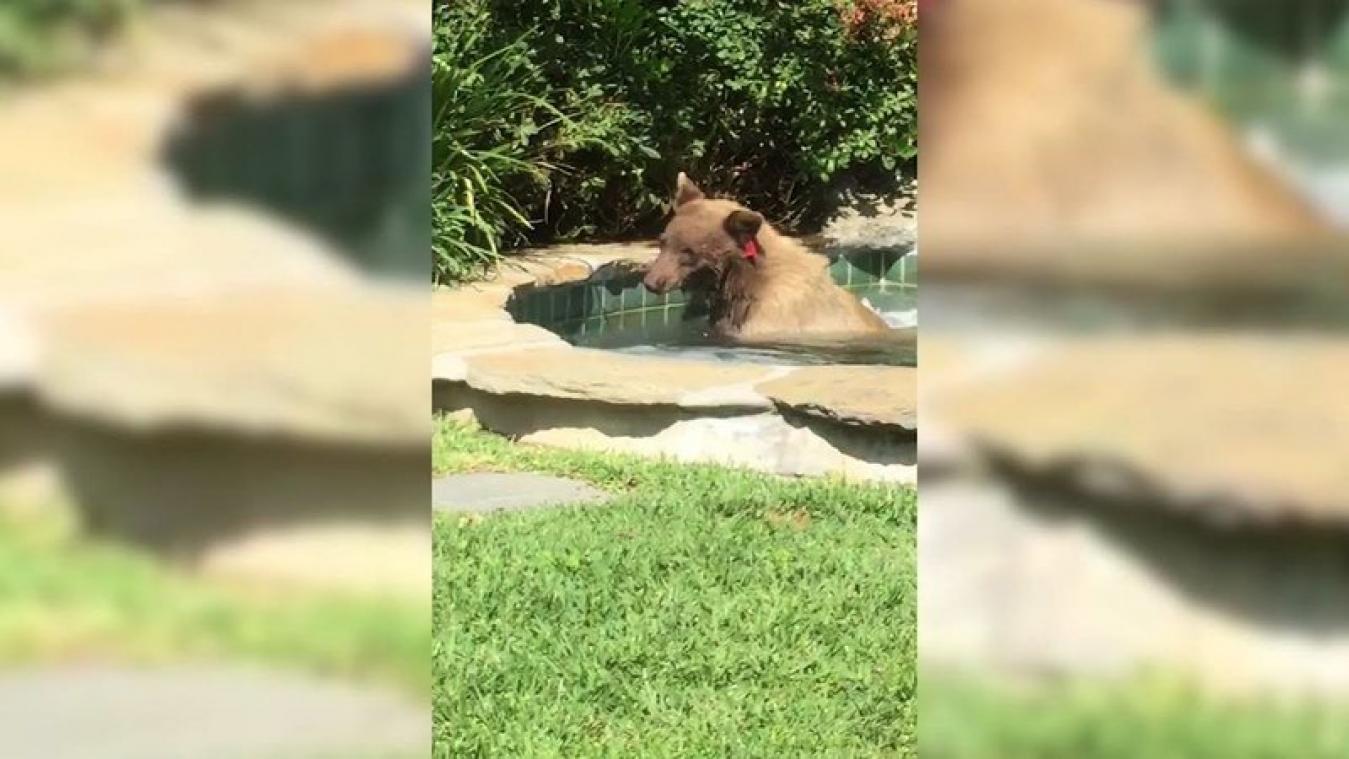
column 1134, row 517
column 214, row 510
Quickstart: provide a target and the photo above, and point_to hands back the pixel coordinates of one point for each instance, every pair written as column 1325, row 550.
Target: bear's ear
column 686, row 191
column 743, row 225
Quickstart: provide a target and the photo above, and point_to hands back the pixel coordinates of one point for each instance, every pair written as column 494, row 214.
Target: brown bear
column 761, row 285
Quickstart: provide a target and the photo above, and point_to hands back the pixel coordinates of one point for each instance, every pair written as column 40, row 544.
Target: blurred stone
column 279, row 436
column 18, row 351
column 351, row 554
column 311, row 365
column 210, row 381
column 1050, row 586
column 1092, row 151
column 83, row 712
column 124, row 249
column 1227, row 428
column 254, row 505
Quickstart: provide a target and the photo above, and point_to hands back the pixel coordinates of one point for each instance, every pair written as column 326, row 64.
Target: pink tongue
column 751, row 249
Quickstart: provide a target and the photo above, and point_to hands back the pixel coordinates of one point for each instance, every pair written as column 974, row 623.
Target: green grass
column 63, row 597
column 703, row 612
column 1143, row 717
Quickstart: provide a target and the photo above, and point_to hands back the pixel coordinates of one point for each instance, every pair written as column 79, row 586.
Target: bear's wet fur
column 761, row 285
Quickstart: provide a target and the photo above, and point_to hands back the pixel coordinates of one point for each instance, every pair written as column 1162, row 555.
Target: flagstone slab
column 581, row 374
column 1247, row 428
column 853, row 395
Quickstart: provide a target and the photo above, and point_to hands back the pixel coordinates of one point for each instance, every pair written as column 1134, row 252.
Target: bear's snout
column 657, row 284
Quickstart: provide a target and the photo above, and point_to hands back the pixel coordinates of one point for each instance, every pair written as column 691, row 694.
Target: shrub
column 498, row 125
column 775, row 103
column 485, row 100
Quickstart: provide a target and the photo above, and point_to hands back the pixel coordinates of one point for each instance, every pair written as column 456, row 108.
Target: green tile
column 892, row 267
column 631, row 299
column 574, row 300
column 594, row 299
column 613, row 300
column 553, row 312
column 589, row 300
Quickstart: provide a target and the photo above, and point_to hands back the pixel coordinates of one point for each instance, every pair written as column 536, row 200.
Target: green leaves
column 605, row 101
column 492, row 120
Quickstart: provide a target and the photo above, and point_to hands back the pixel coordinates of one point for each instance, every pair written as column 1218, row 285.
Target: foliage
column 701, row 612
column 37, row 36
column 488, row 102
column 498, row 127
column 776, row 104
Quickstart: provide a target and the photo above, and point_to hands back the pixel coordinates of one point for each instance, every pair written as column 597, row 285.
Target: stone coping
column 1231, row 429
column 476, row 343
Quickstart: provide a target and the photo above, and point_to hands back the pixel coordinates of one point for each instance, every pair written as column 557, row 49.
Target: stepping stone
column 79, row 712
column 485, row 492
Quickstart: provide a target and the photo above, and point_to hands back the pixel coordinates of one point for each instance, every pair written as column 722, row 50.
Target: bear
column 761, row 286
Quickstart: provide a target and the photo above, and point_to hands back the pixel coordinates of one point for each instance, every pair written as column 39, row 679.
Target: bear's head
column 705, row 234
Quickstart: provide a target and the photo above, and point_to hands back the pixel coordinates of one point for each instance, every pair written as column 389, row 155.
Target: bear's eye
column 688, row 255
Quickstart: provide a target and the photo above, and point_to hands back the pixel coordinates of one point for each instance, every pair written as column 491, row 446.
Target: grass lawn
column 1144, row 717
column 704, row 612
column 66, row 598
